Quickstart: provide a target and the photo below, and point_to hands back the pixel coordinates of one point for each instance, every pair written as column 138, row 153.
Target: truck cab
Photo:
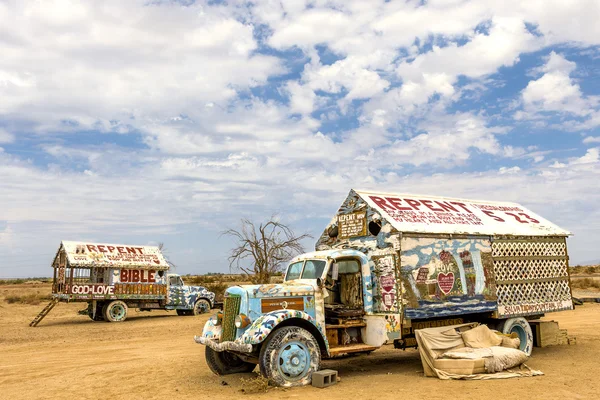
column 320, row 310
column 187, row 300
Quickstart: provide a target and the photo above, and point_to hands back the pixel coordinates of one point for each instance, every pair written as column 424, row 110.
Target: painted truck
column 112, row 278
column 386, row 266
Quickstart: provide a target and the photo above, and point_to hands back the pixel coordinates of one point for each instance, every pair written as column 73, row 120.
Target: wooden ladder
column 44, row 312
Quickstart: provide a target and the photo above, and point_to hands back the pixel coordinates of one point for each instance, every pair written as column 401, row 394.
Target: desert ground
column 152, row 355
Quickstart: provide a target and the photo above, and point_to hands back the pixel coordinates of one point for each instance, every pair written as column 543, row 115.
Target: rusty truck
column 112, row 278
column 385, row 266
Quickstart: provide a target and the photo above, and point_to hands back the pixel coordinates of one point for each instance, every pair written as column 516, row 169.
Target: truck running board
column 44, row 312
column 353, row 348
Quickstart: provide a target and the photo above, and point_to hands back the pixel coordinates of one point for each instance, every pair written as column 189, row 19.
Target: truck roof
column 447, row 215
column 117, row 256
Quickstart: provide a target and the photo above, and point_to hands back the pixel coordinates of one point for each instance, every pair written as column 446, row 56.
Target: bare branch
column 267, row 246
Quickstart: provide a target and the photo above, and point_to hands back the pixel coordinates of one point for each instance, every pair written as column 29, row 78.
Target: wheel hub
column 294, row 360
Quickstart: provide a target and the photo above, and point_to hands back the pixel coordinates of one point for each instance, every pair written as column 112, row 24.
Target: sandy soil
column 153, row 356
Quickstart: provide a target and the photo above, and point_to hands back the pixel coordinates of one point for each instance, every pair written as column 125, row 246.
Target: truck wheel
column 521, row 327
column 202, row 306
column 289, row 356
column 99, row 313
column 115, row 311
column 225, row 363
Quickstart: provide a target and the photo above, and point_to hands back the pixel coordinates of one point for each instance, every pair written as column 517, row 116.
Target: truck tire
column 201, row 306
column 115, row 311
column 289, row 356
column 521, row 327
column 225, row 363
column 99, row 313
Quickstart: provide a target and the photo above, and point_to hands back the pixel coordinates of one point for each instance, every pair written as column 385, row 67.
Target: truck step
column 346, row 325
column 44, row 312
column 353, row 348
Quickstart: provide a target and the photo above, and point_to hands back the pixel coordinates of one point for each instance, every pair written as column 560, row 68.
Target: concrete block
column 324, row 378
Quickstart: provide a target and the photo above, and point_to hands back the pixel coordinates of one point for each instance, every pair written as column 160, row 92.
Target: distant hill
column 592, row 262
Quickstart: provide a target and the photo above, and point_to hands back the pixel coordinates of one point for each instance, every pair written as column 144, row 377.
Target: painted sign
column 100, row 290
column 416, row 213
column 523, row 309
column 352, row 225
column 384, row 274
column 114, row 255
column 137, row 275
column 289, row 303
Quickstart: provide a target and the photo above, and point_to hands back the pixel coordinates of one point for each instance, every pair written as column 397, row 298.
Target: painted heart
column 446, row 282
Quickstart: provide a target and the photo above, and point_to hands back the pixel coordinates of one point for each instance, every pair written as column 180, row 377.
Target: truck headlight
column 216, row 319
column 242, row 321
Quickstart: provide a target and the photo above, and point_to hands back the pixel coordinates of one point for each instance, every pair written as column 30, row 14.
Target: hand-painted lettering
column 413, row 203
column 381, row 202
column 429, row 204
column 395, row 202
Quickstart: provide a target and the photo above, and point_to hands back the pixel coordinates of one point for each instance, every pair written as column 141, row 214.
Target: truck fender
column 265, row 324
column 212, row 331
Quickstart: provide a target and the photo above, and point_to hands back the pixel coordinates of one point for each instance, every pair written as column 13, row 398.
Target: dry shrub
column 259, row 384
column 31, row 298
column 585, row 283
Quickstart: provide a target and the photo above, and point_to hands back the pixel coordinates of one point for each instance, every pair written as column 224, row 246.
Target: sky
column 144, row 122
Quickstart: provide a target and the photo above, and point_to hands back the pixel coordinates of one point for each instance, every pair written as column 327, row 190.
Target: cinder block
column 324, row 378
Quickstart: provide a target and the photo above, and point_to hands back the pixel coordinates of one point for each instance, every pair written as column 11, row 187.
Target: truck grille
column 231, row 308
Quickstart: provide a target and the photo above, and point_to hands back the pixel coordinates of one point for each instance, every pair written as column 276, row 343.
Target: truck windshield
column 309, row 269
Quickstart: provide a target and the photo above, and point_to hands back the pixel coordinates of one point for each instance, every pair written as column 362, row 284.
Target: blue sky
column 142, row 122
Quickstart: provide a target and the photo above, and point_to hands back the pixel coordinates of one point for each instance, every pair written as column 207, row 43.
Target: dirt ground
column 153, row 356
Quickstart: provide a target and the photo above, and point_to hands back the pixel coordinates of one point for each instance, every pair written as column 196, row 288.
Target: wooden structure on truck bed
column 435, row 257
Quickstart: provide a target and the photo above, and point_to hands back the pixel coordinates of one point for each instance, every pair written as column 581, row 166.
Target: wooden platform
column 353, row 348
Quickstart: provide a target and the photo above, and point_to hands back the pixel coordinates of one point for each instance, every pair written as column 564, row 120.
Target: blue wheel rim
column 117, row 312
column 293, row 360
column 520, row 331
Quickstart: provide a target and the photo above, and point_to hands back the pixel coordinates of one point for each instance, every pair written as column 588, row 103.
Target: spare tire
column 521, row 327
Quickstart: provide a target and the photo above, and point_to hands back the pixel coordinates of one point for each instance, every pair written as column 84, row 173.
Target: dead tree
column 266, row 246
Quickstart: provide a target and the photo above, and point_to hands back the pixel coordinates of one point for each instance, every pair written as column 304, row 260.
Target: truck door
column 176, row 291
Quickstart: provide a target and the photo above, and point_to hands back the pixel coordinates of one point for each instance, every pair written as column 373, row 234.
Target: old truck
column 112, row 278
column 386, row 266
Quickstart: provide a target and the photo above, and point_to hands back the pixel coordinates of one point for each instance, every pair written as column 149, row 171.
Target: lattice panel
column 528, row 249
column 513, row 270
column 532, row 280
column 531, row 293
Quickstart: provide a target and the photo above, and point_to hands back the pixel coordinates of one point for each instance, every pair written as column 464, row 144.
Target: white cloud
column 6, row 137
column 591, row 139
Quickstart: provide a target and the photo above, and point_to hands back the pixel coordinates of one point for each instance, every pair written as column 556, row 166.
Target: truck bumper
column 225, row 346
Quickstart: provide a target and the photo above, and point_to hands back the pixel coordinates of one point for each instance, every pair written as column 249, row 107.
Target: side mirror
column 320, row 283
column 335, row 270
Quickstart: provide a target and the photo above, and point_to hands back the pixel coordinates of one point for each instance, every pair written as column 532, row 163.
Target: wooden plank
column 337, row 326
column 353, row 348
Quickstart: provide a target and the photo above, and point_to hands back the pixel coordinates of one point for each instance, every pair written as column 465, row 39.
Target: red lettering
column 516, row 217
column 142, row 276
column 428, row 204
column 124, row 277
column 491, row 214
column 535, row 221
column 447, row 207
column 130, row 250
column 462, row 205
column 140, row 249
column 380, row 202
column 395, row 202
column 110, row 248
column 121, row 249
column 413, row 203
column 135, row 275
column 102, row 248
column 91, row 248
